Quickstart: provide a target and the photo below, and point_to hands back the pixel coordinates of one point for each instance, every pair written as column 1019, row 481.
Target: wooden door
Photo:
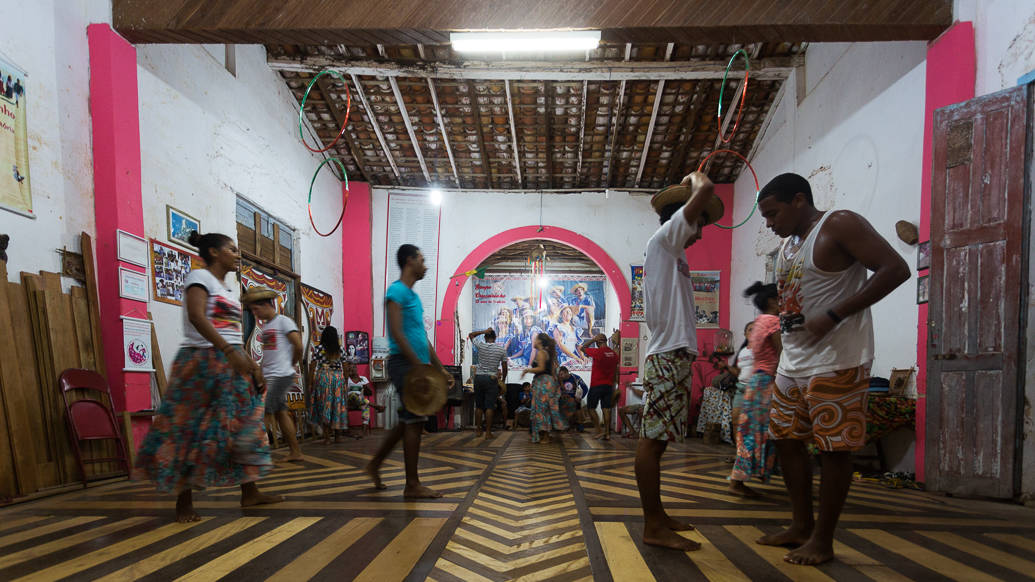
column 978, row 274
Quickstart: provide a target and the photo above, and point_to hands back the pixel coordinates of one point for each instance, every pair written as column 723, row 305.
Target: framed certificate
column 132, row 285
column 132, row 248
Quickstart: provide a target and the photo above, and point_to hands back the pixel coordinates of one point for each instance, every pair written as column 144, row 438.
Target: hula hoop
column 755, row 176
column 348, row 109
column 344, row 203
column 743, row 94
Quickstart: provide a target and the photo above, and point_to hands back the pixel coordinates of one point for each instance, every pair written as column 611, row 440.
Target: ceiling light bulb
column 525, row 41
column 543, row 282
column 435, row 196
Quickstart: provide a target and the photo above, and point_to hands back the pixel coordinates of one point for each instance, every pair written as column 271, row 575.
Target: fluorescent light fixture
column 435, row 196
column 525, row 41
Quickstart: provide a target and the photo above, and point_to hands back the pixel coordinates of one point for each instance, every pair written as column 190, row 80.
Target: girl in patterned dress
column 754, row 455
column 546, row 392
column 328, row 401
column 208, row 431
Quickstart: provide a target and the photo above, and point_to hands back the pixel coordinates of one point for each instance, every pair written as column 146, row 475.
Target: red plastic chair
column 90, row 418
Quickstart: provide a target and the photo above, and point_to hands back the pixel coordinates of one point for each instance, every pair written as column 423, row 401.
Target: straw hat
column 424, row 390
column 257, row 294
column 582, row 286
column 679, row 194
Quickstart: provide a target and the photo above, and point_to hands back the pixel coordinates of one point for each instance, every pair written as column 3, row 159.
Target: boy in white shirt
column 683, row 210
column 281, row 352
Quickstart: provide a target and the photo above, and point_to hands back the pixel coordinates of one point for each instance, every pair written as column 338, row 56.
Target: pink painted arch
column 446, row 333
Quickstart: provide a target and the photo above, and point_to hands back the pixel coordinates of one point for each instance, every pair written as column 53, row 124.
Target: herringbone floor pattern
column 511, row 511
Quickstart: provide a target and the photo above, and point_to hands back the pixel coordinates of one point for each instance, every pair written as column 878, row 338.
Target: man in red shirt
column 601, row 382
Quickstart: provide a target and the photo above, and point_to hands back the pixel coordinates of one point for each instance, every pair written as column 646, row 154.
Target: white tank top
column 810, row 292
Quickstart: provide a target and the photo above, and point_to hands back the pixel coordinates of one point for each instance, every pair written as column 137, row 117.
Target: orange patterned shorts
column 827, row 409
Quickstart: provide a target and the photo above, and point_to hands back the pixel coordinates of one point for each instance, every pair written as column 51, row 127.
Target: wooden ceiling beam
column 620, row 21
column 653, row 120
column 341, row 119
column 513, row 135
column 409, row 129
column 377, row 127
column 442, row 126
column 768, row 69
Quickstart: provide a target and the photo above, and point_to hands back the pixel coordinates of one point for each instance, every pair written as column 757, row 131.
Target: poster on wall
column 570, row 308
column 169, row 268
column 136, row 345
column 706, row 298
column 357, row 347
column 318, row 307
column 15, row 192
column 415, row 220
column 637, row 311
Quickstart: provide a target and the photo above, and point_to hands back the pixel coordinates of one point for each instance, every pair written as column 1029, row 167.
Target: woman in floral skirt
column 328, row 403
column 754, row 455
column 208, row 431
column 546, row 391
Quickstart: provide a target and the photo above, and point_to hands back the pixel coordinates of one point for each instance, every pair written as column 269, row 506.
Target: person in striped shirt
column 492, row 357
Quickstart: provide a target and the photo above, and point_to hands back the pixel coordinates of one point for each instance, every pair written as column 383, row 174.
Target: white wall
column 1004, row 37
column 47, row 39
column 857, row 136
column 620, row 223
column 206, row 136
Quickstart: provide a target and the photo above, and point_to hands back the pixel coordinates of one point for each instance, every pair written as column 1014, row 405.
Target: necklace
column 797, row 241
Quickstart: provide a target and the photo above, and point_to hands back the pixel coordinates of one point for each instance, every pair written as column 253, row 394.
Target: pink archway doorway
column 446, row 333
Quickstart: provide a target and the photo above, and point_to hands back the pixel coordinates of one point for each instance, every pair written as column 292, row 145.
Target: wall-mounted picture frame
column 132, row 285
column 180, row 225
column 899, row 381
column 377, row 370
column 923, row 255
column 131, row 248
column 923, row 289
column 169, row 268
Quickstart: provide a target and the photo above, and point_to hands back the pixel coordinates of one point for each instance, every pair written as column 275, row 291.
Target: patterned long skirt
column 755, row 456
column 717, row 407
column 208, row 431
column 328, row 403
column 546, row 413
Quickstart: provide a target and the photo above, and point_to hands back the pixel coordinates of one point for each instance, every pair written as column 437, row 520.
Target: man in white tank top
column 823, row 376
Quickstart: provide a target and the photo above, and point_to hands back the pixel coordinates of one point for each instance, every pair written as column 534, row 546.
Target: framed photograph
column 923, row 289
column 377, row 370
column 638, row 311
column 923, row 256
column 630, row 352
column 132, row 285
column 357, row 347
column 899, row 381
column 180, row 225
column 131, row 248
column 169, row 268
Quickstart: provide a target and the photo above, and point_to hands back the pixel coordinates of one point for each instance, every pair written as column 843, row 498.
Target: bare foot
column 606, row 437
column 676, row 525
column 260, row 499
column 420, row 492
column 740, row 489
column 489, row 435
column 812, row 553
column 477, row 433
column 295, row 458
column 375, row 475
column 185, row 509
column 666, row 538
column 789, row 537
column 598, row 436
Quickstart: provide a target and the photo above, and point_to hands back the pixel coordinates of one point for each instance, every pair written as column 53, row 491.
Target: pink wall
column 951, row 74
column 357, row 306
column 714, row 252
column 117, row 201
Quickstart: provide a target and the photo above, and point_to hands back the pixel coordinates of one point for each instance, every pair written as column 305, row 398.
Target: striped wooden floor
column 511, row 511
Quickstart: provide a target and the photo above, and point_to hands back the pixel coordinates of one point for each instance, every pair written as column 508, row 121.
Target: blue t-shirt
column 412, row 321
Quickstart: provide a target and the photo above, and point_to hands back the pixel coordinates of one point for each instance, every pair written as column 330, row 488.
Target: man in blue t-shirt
column 408, row 346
